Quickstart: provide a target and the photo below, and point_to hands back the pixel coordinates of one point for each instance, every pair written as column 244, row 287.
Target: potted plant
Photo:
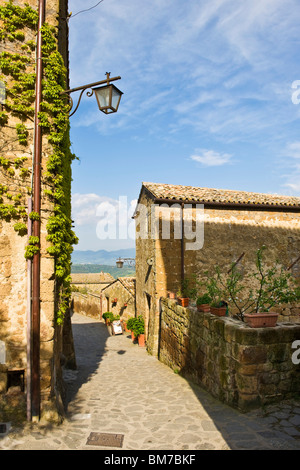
column 183, row 294
column 130, row 325
column 269, row 287
column 108, row 317
column 171, row 295
column 139, row 330
column 216, row 293
column 203, row 303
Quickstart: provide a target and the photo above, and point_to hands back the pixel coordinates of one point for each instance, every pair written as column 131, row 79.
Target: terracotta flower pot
column 133, row 337
column 141, row 340
column 172, row 295
column 261, row 320
column 184, row 301
column 219, row 311
column 203, row 308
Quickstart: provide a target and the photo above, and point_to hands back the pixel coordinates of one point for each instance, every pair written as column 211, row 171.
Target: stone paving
column 119, row 389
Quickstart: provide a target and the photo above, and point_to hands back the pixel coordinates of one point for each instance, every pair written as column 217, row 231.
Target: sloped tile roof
column 220, row 196
column 127, row 282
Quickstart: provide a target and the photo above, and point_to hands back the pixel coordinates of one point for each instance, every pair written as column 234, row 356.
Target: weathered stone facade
column 119, row 298
column 14, row 275
column 88, row 304
column 235, row 224
column 242, row 366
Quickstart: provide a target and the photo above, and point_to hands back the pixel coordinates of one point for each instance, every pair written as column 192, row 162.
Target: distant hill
column 97, row 268
column 104, row 257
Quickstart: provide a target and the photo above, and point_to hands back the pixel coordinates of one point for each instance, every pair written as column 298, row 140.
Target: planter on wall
column 261, row 320
column 183, row 301
column 219, row 311
column 203, row 308
column 171, row 295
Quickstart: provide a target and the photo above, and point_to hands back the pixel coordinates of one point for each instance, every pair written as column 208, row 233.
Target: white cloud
column 211, row 158
column 293, row 150
column 203, row 62
column 84, row 208
column 92, row 209
column 291, row 160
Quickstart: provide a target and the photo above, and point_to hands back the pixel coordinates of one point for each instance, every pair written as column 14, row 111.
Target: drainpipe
column 37, row 225
column 29, row 325
column 182, row 242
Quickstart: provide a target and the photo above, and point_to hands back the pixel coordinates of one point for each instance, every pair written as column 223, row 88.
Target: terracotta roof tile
column 127, row 282
column 224, row 196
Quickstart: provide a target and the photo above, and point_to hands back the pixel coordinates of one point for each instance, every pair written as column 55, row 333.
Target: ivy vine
column 18, row 75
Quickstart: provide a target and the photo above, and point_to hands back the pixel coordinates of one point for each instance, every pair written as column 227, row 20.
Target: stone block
column 247, row 383
column 252, row 354
column 246, row 336
column 278, row 352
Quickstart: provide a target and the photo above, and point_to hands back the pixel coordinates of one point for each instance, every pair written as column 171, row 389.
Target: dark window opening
column 15, row 378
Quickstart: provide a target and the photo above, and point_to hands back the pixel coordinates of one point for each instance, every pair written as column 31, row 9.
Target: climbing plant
column 18, row 75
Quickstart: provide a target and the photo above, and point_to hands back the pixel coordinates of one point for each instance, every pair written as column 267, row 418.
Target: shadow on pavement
column 90, row 345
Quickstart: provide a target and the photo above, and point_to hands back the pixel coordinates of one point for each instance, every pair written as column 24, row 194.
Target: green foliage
column 30, row 251
column 34, row 216
column 185, row 290
column 126, row 271
column 204, row 299
column 137, row 325
column 3, row 118
column 54, row 116
column 255, row 292
column 108, row 316
column 215, row 289
column 21, row 228
column 22, row 134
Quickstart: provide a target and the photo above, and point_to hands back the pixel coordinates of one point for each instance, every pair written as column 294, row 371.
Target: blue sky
column 208, row 101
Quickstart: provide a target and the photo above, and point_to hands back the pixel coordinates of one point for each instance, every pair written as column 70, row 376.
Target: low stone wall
column 86, row 304
column 241, row 366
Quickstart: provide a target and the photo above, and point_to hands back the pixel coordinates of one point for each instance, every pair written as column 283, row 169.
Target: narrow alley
column 121, row 398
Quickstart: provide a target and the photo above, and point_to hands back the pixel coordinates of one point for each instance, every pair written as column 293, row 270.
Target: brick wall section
column 241, row 366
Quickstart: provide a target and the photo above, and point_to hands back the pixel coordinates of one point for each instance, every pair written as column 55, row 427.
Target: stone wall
column 146, row 298
column 13, row 265
column 125, row 305
column 229, row 234
column 241, row 366
column 86, row 304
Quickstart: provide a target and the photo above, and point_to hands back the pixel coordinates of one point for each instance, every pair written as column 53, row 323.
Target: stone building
column 119, row 298
column 35, row 373
column 92, row 282
column 183, row 231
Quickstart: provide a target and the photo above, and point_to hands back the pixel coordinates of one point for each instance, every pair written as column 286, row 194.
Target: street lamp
column 108, row 97
column 120, row 262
